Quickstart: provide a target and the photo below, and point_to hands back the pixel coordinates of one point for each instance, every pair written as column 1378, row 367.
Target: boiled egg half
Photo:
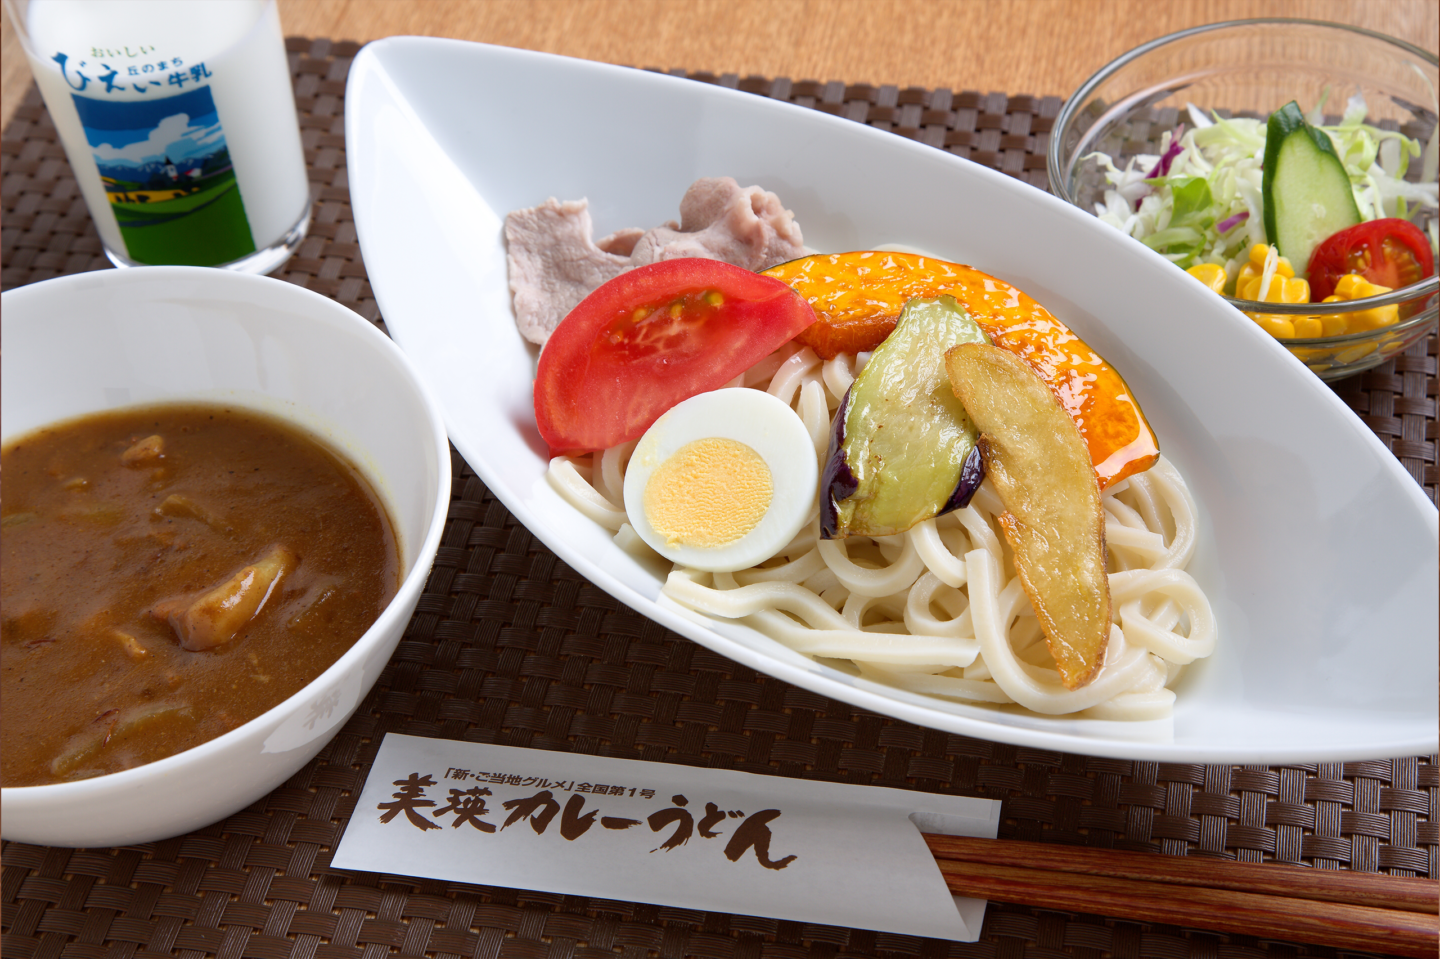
column 722, row 481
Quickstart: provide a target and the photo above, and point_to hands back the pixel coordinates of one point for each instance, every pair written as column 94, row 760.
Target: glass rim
column 22, row 29
column 1350, row 339
column 1058, row 182
column 1415, row 291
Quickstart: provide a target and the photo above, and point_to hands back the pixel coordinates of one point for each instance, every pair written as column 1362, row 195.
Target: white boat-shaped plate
column 1317, row 549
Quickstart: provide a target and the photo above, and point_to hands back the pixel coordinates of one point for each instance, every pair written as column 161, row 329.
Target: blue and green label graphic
column 169, row 179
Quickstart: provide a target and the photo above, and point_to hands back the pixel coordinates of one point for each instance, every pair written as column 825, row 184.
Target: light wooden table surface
column 1045, row 47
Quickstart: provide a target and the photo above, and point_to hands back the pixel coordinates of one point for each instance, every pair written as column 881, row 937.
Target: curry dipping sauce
column 170, row 573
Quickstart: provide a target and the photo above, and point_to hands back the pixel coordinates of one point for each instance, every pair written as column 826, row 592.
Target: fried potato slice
column 1053, row 521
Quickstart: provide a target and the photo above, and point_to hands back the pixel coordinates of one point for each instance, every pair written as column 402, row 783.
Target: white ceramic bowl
column 117, row 338
column 1317, row 549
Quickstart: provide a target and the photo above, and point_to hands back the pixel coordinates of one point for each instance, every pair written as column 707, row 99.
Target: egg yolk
column 708, row 493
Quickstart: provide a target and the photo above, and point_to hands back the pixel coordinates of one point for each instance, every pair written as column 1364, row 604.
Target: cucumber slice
column 1305, row 188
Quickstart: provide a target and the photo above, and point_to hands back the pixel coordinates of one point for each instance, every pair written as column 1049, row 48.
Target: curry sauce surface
column 105, row 528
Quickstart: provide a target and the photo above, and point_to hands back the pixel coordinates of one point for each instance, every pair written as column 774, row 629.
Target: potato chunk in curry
column 216, row 616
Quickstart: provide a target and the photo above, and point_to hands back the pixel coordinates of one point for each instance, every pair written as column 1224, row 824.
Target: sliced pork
column 554, row 263
column 721, row 221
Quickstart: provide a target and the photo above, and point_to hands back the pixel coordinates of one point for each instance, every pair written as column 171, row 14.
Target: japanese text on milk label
column 138, row 77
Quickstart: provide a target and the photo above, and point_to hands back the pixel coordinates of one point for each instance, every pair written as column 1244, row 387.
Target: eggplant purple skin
column 838, row 481
column 972, row 474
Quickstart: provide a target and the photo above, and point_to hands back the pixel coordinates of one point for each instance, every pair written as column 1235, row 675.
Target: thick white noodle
column 938, row 610
column 761, row 373
column 839, row 373
column 611, row 482
column 815, row 414
column 792, row 372
column 945, row 565
column 887, row 648
column 1149, row 546
column 976, row 519
column 1181, row 506
column 927, row 593
column 873, row 582
column 578, row 492
column 1033, row 687
column 795, row 571
column 888, row 610
column 1130, row 589
column 629, row 540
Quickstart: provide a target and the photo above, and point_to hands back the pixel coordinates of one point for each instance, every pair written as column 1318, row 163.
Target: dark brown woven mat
column 510, row 646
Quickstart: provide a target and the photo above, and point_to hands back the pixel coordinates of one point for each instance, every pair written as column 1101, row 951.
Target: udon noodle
column 938, row 609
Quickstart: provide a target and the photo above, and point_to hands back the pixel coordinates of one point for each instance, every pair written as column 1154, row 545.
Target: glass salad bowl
column 1132, row 119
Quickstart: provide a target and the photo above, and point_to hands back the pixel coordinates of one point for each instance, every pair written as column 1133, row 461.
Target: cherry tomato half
column 652, row 337
column 1389, row 252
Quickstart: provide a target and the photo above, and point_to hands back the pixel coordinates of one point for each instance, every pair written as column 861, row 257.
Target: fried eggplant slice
column 902, row 449
column 1041, row 469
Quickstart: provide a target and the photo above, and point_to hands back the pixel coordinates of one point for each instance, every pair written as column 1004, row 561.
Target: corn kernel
column 1375, row 318
column 1352, row 354
column 1307, row 327
column 1255, row 267
column 1276, row 325
column 1211, row 274
column 1353, row 286
column 1282, row 290
column 1334, row 324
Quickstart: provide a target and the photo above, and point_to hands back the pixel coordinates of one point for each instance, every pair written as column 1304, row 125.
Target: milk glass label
column 167, row 171
column 179, row 121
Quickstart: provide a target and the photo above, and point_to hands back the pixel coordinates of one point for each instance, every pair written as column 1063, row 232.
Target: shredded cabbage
column 1199, row 200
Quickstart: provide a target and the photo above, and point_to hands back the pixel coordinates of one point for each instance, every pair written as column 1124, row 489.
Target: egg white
column 763, row 423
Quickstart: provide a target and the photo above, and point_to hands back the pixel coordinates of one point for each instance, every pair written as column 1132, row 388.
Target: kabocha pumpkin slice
column 857, row 297
column 1037, row 462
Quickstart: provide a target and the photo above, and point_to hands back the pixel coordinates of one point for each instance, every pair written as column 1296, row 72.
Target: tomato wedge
column 1389, row 252
column 652, row 337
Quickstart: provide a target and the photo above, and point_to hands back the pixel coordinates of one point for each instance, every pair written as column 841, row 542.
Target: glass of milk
column 179, row 122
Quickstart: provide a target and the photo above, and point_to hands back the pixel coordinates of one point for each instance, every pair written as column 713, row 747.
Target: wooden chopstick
column 1276, row 879
column 1342, row 909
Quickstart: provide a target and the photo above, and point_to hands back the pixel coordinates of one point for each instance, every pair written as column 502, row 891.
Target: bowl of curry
column 222, row 496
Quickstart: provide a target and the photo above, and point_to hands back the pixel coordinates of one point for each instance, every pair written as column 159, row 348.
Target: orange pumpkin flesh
column 857, row 298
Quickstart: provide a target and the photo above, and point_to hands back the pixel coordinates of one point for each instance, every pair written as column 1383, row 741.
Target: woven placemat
column 510, row 646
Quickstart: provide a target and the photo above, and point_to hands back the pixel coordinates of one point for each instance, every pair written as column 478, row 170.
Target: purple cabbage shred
column 1163, row 167
column 1229, row 223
